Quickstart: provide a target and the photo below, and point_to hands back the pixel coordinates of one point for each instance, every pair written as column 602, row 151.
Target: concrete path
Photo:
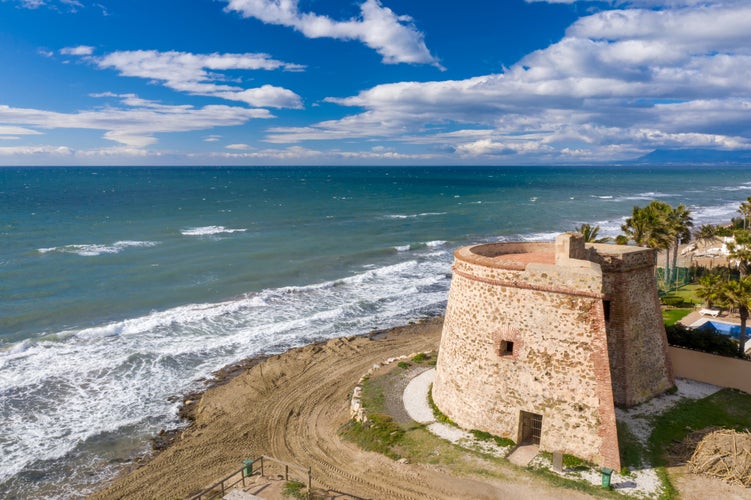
column 522, row 455
column 415, row 398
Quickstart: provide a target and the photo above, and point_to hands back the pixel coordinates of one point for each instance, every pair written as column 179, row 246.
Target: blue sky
column 370, row 82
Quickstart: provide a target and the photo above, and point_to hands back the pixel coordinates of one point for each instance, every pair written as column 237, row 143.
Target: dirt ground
column 290, row 407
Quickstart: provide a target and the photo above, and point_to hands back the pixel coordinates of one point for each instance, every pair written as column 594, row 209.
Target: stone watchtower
column 542, row 340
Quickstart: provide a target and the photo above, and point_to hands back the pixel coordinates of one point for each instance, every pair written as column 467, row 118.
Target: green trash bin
column 248, row 467
column 606, row 473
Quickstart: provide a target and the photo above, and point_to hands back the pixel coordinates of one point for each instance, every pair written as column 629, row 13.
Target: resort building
column 542, row 340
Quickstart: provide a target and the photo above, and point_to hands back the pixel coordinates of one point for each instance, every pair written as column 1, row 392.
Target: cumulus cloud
column 15, row 151
column 621, row 82
column 134, row 126
column 393, row 36
column 68, row 5
column 81, row 50
column 198, row 74
column 9, row 132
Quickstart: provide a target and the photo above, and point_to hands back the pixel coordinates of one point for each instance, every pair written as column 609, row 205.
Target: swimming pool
column 723, row 328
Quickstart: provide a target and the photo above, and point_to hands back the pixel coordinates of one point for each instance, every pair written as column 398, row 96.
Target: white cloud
column 238, row 147
column 35, row 150
column 212, row 138
column 296, row 155
column 394, row 37
column 621, row 82
column 32, row 4
column 197, row 74
column 16, row 131
column 81, row 50
column 68, row 5
column 134, row 126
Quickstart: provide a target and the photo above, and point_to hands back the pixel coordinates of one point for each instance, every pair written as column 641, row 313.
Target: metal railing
column 219, row 489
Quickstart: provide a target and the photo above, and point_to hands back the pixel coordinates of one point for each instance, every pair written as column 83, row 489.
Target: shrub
column 673, row 301
column 293, row 489
column 701, row 340
column 486, row 436
column 419, row 358
column 379, row 433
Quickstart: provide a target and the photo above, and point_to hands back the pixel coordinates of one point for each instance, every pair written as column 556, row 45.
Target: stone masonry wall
column 559, row 367
column 639, row 364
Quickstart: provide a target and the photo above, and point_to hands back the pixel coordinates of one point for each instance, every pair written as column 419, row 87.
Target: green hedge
column 701, row 340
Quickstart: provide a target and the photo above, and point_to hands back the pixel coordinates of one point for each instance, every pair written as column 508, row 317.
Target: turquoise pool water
column 723, row 328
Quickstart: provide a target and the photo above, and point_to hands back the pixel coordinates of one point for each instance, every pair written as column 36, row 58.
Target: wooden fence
column 251, row 468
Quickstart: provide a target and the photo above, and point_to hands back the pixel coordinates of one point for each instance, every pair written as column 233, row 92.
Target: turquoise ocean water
column 120, row 288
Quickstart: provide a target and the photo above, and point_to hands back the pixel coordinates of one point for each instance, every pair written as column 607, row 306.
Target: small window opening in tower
column 606, row 310
column 507, row 348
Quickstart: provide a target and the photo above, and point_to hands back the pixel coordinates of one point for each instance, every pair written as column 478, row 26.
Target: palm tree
column 737, row 295
column 740, row 250
column 709, row 288
column 650, row 226
column 590, row 234
column 680, row 224
column 745, row 211
column 706, row 234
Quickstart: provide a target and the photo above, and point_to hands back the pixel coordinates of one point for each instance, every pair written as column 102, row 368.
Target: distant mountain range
column 693, row 156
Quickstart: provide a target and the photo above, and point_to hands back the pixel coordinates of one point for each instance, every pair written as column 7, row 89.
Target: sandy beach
column 290, row 406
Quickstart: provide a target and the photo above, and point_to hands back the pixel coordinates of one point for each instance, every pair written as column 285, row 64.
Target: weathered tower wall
column 640, row 366
column 560, row 332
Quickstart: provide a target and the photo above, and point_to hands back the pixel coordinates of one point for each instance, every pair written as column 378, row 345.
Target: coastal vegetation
column 701, row 340
column 590, row 234
column 666, row 228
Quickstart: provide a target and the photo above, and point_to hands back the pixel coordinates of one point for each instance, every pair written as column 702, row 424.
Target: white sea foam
column 418, row 246
column 92, row 250
column 647, row 196
column 549, row 236
column 210, row 231
column 413, row 216
column 59, row 394
column 715, row 214
column 742, row 187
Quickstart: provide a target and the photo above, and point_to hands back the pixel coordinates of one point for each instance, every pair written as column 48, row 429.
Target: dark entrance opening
column 531, row 428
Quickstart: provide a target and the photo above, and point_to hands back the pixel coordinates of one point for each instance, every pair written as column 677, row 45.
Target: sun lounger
column 709, row 312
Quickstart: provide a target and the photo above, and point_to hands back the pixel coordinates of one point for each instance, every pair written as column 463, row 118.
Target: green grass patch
column 631, row 450
column 420, row 357
column 486, row 436
column 404, row 365
column 437, row 413
column 684, row 296
column 727, row 408
column 570, row 484
column 672, row 316
column 571, row 462
column 373, row 398
column 379, row 433
column 294, row 489
column 420, row 445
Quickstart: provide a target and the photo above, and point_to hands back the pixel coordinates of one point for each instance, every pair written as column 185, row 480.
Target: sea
column 124, row 288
